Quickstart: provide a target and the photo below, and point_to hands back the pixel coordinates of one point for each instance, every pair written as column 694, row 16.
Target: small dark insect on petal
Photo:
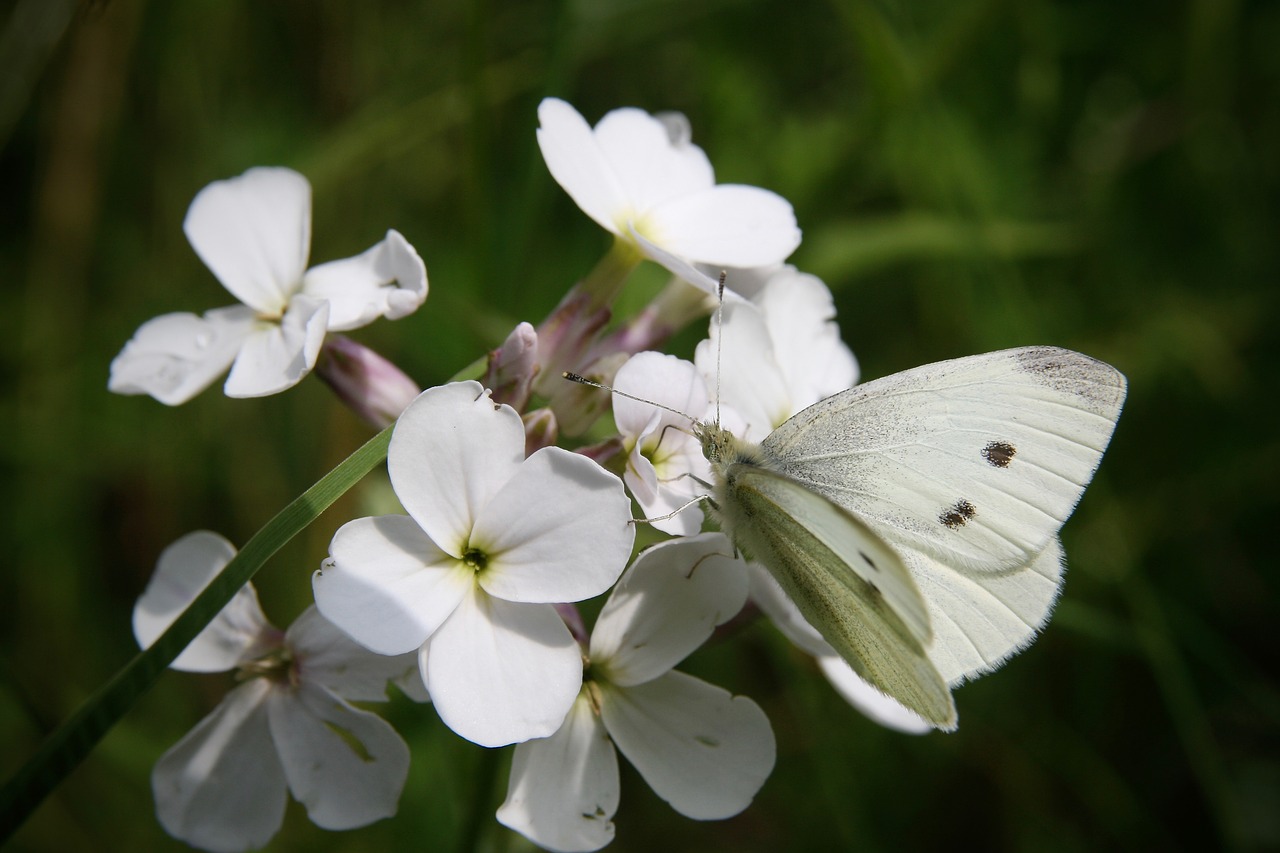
column 999, row 453
column 956, row 515
column 870, row 562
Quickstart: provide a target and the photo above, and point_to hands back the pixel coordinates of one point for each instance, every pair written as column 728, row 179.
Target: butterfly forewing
column 976, row 461
column 846, row 582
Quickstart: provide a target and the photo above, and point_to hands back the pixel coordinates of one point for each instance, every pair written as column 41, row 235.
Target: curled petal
column 880, row 708
column 500, row 672
column 328, row 657
column 221, row 787
column 387, row 585
column 452, row 449
column 254, row 233
column 387, row 280
column 666, row 605
column 239, row 632
column 276, row 356
column 559, row 530
column 673, row 492
column 347, row 766
column 176, row 356
column 563, row 790
column 701, row 749
column 728, row 225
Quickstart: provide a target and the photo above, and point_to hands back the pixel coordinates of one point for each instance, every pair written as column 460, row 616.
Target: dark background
column 969, row 176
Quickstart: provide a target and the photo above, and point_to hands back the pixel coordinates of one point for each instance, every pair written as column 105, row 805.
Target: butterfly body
column 913, row 520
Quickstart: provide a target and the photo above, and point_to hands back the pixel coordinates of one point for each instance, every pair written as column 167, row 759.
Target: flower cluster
column 471, row 595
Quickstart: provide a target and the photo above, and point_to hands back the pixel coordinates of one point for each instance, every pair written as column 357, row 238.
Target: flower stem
column 484, row 777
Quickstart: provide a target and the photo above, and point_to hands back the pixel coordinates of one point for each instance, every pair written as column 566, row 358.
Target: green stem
column 63, row 751
column 481, row 811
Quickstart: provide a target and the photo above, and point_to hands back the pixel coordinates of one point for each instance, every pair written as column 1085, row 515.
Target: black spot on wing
column 956, row 515
column 999, row 453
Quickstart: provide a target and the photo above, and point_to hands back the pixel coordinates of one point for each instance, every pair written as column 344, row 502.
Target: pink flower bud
column 373, row 387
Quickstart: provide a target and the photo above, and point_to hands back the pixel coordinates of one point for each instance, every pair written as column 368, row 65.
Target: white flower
column 701, row 749
column 663, row 457
column 888, row 712
column 254, row 234
column 640, row 178
column 290, row 725
column 780, row 352
column 492, row 541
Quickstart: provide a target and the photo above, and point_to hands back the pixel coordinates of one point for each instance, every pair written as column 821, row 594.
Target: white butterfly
column 914, row 519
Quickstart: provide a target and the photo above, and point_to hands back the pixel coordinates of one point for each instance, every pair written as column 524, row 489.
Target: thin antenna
column 582, row 380
column 719, row 338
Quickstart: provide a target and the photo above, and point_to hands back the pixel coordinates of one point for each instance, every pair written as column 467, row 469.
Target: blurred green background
column 969, row 176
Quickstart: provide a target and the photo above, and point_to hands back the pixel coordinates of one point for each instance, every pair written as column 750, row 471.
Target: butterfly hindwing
column 845, row 580
column 975, row 462
column 979, row 619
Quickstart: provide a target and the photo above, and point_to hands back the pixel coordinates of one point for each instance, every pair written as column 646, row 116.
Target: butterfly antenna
column 582, row 380
column 719, row 337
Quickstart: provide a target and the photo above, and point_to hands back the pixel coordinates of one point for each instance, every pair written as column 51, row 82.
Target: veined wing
column 980, row 619
column 976, row 462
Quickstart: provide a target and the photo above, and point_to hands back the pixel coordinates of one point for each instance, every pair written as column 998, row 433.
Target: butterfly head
column 721, row 447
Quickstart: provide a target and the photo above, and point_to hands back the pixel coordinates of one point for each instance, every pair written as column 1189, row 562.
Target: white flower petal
column 728, row 225
column 221, row 787
column 452, row 449
column 800, row 316
column 662, row 379
column 176, row 356
column 750, row 380
column 888, row 712
column 659, row 498
column 387, row 585
column 575, row 160
column 239, row 631
column 641, row 478
column 661, row 469
column 324, row 655
column 500, row 672
column 559, row 530
column 666, row 605
column 276, row 356
column 677, row 265
column 563, row 790
column 387, row 280
column 254, row 233
column 347, row 766
column 702, row 750
column 650, row 166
